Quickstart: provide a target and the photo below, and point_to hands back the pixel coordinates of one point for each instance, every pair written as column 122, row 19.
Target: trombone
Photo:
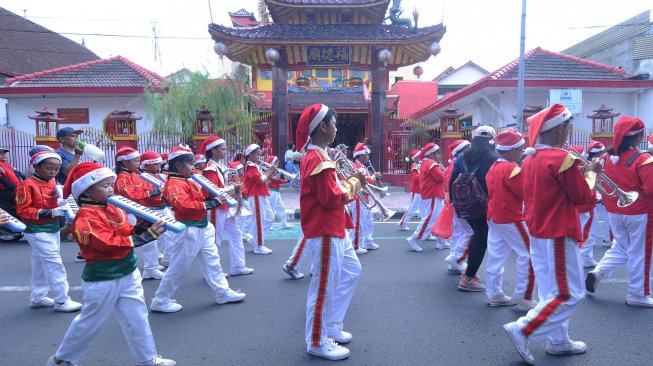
column 383, row 190
column 625, row 199
column 286, row 174
column 345, row 168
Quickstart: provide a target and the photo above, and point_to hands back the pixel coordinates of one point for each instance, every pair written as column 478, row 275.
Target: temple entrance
column 351, row 128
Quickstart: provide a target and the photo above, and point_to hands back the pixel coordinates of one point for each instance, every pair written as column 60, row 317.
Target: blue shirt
column 66, row 158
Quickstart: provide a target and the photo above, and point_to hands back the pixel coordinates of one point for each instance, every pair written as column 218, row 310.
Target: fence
column 402, row 136
column 96, row 137
column 18, row 143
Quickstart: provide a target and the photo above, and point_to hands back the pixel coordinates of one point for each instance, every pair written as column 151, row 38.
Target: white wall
column 462, row 76
column 3, row 112
column 98, row 108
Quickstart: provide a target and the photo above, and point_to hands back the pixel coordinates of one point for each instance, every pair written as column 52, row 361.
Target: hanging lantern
column 384, row 56
column 272, row 55
column 220, row 48
column 434, row 49
column 418, row 71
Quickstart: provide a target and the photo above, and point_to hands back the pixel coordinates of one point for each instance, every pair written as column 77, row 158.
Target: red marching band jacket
column 323, row 197
column 431, row 180
column 186, row 198
column 253, row 183
column 368, row 178
column 553, row 187
column 414, row 179
column 505, row 193
column 637, row 177
column 275, row 183
column 213, row 171
column 34, row 195
column 102, row 232
column 130, row 185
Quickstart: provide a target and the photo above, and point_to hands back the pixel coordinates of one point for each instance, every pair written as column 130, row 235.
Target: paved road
column 406, row 311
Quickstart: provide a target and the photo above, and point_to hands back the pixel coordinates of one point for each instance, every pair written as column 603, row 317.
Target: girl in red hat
column 363, row 231
column 415, row 196
column 276, row 202
column 256, row 189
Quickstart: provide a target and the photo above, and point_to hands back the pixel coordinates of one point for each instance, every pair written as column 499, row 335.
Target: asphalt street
column 407, row 310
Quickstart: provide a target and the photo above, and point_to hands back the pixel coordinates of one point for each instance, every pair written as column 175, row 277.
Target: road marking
column 28, row 288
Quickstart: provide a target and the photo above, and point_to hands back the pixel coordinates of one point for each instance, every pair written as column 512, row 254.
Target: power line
column 106, row 34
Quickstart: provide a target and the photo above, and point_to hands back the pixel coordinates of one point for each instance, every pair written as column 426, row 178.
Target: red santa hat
column 164, row 157
column 361, row 149
column 508, row 139
column 199, row 158
column 595, row 147
column 235, row 165
column 650, row 142
column 150, row 157
column 250, row 149
column 210, row 143
column 413, row 154
column 578, row 148
column 545, row 120
column 308, row 121
column 271, row 159
column 40, row 156
column 457, row 146
column 126, row 153
column 83, row 176
column 428, row 149
column 178, row 151
column 625, row 126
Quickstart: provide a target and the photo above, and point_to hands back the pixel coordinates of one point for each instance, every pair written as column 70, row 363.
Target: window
column 307, row 73
column 336, row 73
column 322, row 73
column 265, row 74
column 357, row 73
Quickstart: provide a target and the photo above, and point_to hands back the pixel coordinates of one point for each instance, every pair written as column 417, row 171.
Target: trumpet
column 345, row 168
column 624, row 199
column 383, row 190
column 231, row 175
column 286, row 174
column 91, row 150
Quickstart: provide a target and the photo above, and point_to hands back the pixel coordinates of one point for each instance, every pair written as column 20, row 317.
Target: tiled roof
column 325, row 32
column 27, row 47
column 241, row 13
column 299, row 101
column 111, row 72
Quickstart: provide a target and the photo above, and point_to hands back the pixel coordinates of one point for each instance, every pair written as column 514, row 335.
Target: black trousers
column 477, row 246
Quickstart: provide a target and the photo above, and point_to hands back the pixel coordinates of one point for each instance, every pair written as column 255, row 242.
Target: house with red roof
column 549, row 76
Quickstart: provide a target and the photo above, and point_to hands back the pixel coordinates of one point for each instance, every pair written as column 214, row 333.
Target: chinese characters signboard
column 73, row 115
column 328, row 55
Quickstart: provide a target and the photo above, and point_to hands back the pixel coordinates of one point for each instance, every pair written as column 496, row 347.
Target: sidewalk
column 397, row 200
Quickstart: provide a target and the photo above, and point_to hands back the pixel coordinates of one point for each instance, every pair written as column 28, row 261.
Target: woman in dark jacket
column 480, row 157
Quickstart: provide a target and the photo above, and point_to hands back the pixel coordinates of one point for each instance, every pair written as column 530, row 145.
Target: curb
column 294, row 214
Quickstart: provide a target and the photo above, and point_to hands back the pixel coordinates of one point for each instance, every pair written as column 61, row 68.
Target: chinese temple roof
column 296, row 11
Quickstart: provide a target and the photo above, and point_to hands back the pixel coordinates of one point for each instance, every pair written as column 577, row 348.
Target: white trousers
column 460, row 239
column 600, row 214
column 245, row 222
column 336, row 271
column 633, row 235
column 430, row 210
column 150, row 252
column 363, row 231
column 502, row 240
column 278, row 208
column 193, row 243
column 226, row 225
column 48, row 271
column 561, row 289
column 122, row 297
column 166, row 238
column 298, row 253
column 587, row 221
column 262, row 216
column 415, row 201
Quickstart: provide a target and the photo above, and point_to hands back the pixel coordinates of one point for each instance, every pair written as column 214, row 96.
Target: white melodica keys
column 14, row 224
column 145, row 213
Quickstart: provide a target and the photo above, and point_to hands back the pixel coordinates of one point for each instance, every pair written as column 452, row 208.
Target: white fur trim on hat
column 462, row 145
column 595, row 150
column 39, row 157
column 555, row 121
column 506, row 148
column 432, row 150
column 180, row 150
column 251, row 149
column 151, row 161
column 87, row 180
column 362, row 152
column 318, row 118
column 485, row 131
column 633, row 133
column 215, row 143
column 133, row 155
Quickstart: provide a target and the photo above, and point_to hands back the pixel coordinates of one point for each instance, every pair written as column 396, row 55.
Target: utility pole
column 522, row 66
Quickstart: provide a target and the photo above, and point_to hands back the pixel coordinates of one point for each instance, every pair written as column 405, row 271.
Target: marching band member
column 110, row 280
column 630, row 170
column 461, row 231
column 335, row 266
column 415, row 196
column 553, row 187
column 276, row 202
column 596, row 151
column 586, row 214
column 507, row 232
column 296, row 259
column 362, row 216
column 431, row 182
column 650, row 142
column 244, row 222
column 256, row 189
column 38, row 208
column 200, row 163
column 130, row 185
column 215, row 149
column 190, row 206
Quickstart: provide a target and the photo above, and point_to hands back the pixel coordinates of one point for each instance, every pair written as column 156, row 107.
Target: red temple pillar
column 203, row 127
column 123, row 129
column 47, row 125
column 603, row 125
column 450, row 130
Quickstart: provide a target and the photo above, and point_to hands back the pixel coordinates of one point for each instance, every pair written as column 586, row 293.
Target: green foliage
column 174, row 110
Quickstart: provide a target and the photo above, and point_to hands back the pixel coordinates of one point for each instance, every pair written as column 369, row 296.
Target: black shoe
column 590, row 282
column 79, row 258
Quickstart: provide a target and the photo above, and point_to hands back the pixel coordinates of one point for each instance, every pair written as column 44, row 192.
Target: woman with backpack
column 472, row 166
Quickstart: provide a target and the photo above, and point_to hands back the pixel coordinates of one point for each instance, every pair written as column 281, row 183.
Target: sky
column 484, row 31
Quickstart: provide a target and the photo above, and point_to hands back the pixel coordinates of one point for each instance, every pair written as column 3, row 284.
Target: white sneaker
column 361, row 250
column 334, row 330
column 452, row 261
column 442, row 244
column 165, row 263
column 329, row 350
column 160, row 255
column 371, row 246
column 292, row 272
column 44, row 302
column 248, row 236
column 230, row 296
column 431, row 238
column 67, row 307
column 262, row 249
column 242, row 271
column 592, row 281
column 414, row 244
column 404, row 228
column 641, row 301
column 528, row 304
column 152, row 274
column 569, row 348
column 165, row 307
column 159, row 361
column 520, row 341
column 287, row 226
column 501, row 300
column 51, row 362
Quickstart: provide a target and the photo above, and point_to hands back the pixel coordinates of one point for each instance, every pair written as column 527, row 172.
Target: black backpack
column 468, row 198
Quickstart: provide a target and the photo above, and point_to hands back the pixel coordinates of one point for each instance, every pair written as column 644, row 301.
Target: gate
column 402, row 136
